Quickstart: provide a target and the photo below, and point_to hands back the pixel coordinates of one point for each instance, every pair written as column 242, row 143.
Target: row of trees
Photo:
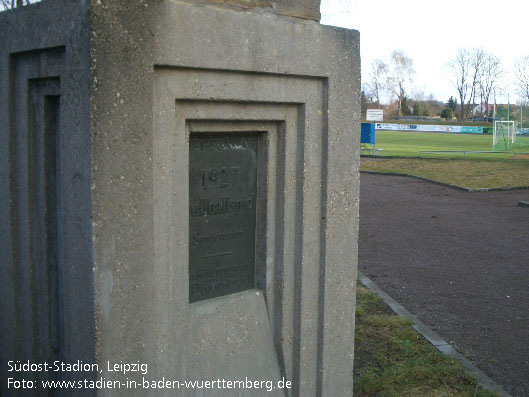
column 394, row 77
column 478, row 74
column 419, row 106
column 521, row 73
column 475, row 74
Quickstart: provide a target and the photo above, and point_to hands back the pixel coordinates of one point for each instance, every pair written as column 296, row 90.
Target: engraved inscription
column 198, row 239
column 222, row 210
column 222, row 206
column 219, row 177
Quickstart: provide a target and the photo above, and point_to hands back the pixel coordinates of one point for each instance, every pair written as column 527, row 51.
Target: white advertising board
column 427, row 128
column 375, row 115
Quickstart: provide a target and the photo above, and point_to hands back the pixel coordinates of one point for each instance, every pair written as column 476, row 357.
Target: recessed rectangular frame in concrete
column 290, row 110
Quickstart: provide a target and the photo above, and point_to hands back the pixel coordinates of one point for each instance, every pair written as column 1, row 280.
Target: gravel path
column 457, row 260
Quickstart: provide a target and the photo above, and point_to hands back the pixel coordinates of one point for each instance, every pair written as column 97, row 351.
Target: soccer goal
column 504, row 135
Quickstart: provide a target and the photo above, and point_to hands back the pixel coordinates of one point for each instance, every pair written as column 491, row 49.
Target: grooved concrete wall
column 95, row 190
column 47, row 284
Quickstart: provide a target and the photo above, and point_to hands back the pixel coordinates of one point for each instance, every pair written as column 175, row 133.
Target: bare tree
column 490, row 77
column 377, row 79
column 460, row 70
column 476, row 59
column 399, row 76
column 521, row 72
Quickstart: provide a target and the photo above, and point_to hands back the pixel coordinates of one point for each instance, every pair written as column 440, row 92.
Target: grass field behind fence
column 410, row 144
column 473, row 171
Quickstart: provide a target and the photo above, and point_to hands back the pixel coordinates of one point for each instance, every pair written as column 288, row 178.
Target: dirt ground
column 457, row 260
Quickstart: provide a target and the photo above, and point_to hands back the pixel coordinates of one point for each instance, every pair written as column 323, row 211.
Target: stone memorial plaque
column 222, row 213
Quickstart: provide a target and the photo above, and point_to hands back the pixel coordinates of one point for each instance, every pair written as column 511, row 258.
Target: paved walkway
column 457, row 260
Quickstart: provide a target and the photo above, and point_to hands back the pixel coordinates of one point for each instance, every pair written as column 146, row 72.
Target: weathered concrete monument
column 178, row 198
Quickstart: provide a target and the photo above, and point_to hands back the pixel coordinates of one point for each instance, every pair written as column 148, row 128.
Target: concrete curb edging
column 432, row 337
column 464, row 189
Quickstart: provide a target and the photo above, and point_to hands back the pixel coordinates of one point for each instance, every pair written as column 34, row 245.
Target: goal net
column 521, row 138
column 504, row 136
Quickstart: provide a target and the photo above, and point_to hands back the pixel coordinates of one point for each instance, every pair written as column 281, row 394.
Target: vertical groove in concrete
column 323, row 232
column 279, row 248
column 298, row 256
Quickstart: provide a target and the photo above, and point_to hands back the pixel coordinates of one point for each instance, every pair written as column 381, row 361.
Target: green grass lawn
column 473, row 174
column 409, row 144
column 391, row 359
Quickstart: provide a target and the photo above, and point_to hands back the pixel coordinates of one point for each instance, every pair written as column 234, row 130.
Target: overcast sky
column 431, row 33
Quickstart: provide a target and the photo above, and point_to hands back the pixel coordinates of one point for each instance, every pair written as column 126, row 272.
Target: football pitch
column 410, row 144
column 401, row 151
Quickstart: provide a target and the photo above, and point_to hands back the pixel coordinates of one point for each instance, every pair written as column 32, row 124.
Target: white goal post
column 504, row 134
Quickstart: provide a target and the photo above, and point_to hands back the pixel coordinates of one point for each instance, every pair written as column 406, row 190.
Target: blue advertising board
column 367, row 133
